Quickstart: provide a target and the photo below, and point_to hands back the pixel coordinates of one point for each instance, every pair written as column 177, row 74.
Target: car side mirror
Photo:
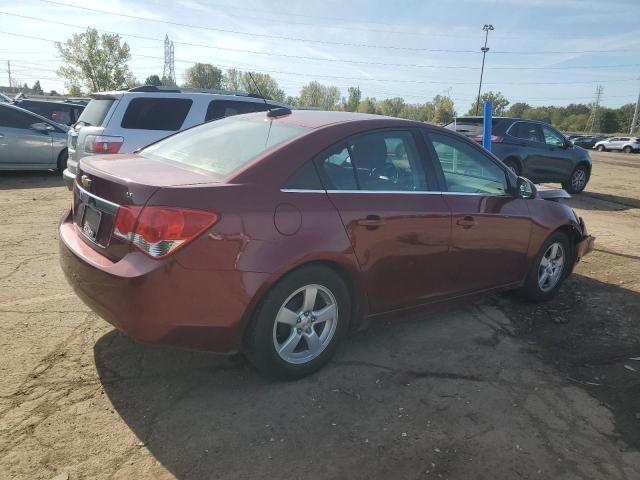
column 524, row 188
column 42, row 127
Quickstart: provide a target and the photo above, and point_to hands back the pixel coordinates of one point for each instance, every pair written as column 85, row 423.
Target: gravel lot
column 497, row 389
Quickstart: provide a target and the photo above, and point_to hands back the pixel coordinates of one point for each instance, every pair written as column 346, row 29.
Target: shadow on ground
column 205, row 415
column 23, row 180
column 589, row 200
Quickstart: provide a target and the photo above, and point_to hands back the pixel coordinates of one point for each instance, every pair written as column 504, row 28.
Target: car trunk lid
column 104, row 183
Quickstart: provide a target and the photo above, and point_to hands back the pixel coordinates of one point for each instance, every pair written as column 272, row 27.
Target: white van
column 124, row 121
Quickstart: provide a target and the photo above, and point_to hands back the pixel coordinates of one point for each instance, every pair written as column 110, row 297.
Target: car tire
column 553, row 260
column 62, row 160
column 627, row 149
column 578, row 180
column 287, row 338
column 600, row 148
column 513, row 165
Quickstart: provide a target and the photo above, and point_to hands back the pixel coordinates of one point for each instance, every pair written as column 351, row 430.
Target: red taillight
column 159, row 231
column 102, row 144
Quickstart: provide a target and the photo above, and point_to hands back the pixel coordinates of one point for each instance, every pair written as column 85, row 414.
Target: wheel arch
column 63, row 152
column 575, row 236
column 517, row 160
column 357, row 293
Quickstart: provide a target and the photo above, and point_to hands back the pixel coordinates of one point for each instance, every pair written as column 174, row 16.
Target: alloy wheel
column 578, row 180
column 551, row 267
column 305, row 324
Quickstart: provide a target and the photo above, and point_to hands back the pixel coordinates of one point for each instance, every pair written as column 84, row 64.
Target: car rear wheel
column 300, row 323
column 627, row 149
column 550, row 268
column 578, row 180
column 600, row 148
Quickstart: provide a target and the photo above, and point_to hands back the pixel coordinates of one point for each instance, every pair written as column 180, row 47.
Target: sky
column 541, row 52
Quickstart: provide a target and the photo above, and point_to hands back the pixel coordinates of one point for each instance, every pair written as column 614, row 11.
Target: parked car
column 29, row 141
column 625, row 144
column 62, row 112
column 586, row 142
column 532, row 149
column 123, row 121
column 274, row 234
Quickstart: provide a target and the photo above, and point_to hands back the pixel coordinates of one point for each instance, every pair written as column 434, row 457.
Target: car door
column 398, row 223
column 559, row 155
column 20, row 145
column 490, row 226
column 528, row 136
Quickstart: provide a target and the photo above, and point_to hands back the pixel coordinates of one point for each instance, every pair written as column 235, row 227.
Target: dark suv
column 532, row 149
column 65, row 113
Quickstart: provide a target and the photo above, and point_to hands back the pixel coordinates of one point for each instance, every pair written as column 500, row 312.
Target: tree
column 517, row 109
column 53, row 93
column 444, row 110
column 262, row 83
column 419, row 112
column 391, row 107
column 203, row 75
column 153, row 80
column 232, row 80
column 75, row 90
column 350, row 104
column 97, row 62
column 499, row 103
column 316, row 95
column 368, row 105
column 609, row 121
column 37, row 89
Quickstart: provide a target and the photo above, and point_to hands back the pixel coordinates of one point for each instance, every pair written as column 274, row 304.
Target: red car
column 275, row 234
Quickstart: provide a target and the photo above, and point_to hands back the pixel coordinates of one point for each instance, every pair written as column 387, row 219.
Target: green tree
column 625, row 115
column 153, row 80
column 609, row 121
column 203, row 75
column 392, row 107
column 350, row 104
column 517, row 109
column 316, row 95
column 368, row 105
column 262, row 83
column 53, row 93
column 98, row 62
column 444, row 109
column 499, row 104
column 75, row 90
column 37, row 89
column 232, row 80
column 419, row 112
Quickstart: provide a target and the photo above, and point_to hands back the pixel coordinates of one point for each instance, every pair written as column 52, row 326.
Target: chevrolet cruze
column 276, row 233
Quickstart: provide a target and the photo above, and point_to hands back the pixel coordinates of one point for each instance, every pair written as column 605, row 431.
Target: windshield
column 225, row 145
column 95, row 112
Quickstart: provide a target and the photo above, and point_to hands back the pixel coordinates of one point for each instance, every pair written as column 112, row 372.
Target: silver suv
column 626, row 144
column 123, row 121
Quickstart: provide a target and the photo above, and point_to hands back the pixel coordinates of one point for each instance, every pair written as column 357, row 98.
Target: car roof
column 48, row 102
column 321, row 118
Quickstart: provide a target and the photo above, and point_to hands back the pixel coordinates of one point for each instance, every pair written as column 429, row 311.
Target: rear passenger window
column 526, row 131
column 227, row 108
column 387, row 161
column 336, row 170
column 156, row 113
column 306, row 178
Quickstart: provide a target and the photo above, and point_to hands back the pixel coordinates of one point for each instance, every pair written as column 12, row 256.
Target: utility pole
column 484, row 49
column 9, row 72
column 635, row 116
column 169, row 72
column 592, row 123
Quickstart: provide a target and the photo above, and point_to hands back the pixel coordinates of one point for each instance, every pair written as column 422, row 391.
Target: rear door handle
column 467, row 222
column 371, row 222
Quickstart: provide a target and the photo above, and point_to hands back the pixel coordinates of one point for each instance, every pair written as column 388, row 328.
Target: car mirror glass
column 524, row 189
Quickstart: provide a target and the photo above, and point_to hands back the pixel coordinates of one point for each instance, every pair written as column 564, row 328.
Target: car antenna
column 271, row 111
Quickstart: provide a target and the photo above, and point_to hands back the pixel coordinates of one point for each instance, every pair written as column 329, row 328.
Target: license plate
column 91, row 222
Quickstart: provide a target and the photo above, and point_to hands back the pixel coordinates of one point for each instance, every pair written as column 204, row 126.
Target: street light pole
column 484, row 49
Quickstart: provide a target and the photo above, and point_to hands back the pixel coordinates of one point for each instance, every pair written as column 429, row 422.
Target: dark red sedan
column 275, row 234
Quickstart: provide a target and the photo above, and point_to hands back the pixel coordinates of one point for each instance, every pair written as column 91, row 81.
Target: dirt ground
column 498, row 389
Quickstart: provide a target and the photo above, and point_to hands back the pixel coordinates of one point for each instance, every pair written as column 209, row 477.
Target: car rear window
column 227, row 108
column 225, row 145
column 156, row 113
column 471, row 127
column 96, row 111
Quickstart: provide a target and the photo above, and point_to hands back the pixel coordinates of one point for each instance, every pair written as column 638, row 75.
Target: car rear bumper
column 159, row 301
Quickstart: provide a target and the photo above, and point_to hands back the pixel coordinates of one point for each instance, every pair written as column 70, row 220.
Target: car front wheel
column 600, row 148
column 627, row 149
column 578, row 180
column 551, row 267
column 300, row 323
